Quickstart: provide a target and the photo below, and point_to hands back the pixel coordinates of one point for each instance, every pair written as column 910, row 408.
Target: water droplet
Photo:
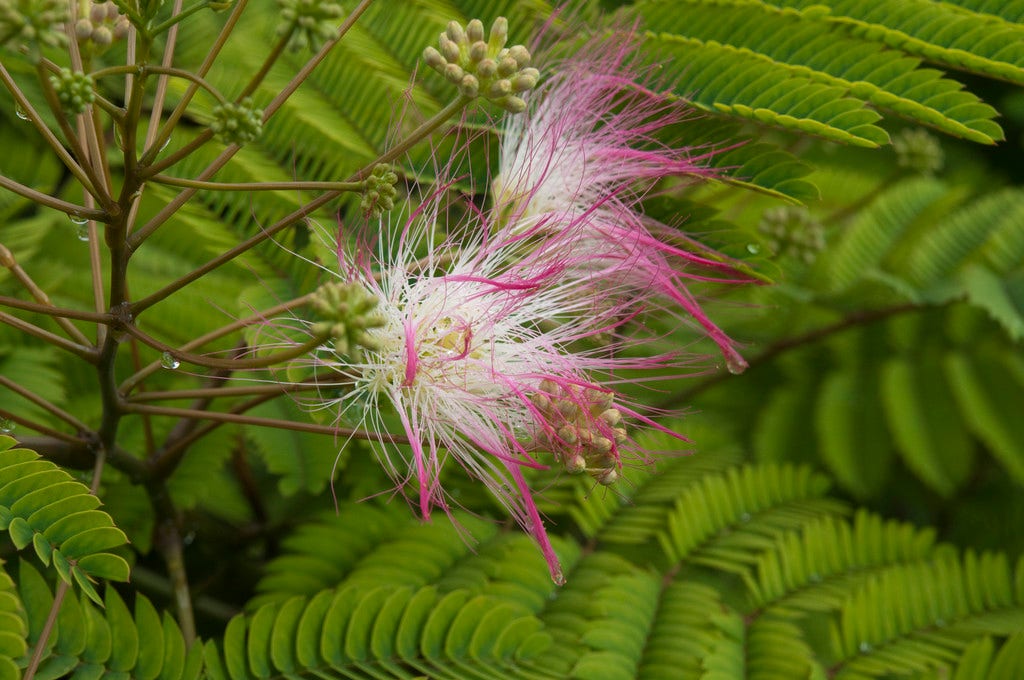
column 753, row 248
column 169, row 362
column 189, row 538
column 82, row 232
column 20, row 112
column 734, row 363
column 865, row 647
column 78, row 219
column 815, row 578
column 118, row 138
column 745, row 517
column 6, row 426
column 166, row 142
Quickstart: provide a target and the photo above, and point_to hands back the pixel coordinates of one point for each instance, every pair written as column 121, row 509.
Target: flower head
column 583, row 154
column 472, row 354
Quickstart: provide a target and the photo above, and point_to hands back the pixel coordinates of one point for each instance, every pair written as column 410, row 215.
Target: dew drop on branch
column 20, row 112
column 168, row 361
column 6, row 426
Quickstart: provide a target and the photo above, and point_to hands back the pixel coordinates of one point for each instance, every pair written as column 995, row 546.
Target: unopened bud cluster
column 791, row 231
column 918, row 150
column 348, row 311
column 582, row 428
column 379, row 194
column 32, row 22
column 103, row 25
column 74, row 90
column 237, row 123
column 310, row 23
column 484, row 67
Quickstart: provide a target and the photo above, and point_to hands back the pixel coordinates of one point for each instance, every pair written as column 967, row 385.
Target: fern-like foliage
column 741, row 581
column 88, row 641
column 43, row 506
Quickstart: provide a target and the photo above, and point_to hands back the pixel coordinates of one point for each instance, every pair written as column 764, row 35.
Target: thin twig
column 229, row 364
column 782, row 346
column 220, row 161
column 260, row 317
column 256, row 421
column 258, row 186
column 273, row 388
column 40, row 428
column 63, row 206
column 44, row 634
column 44, row 404
column 161, row 137
column 84, row 351
column 50, row 310
column 7, row 260
column 33, row 116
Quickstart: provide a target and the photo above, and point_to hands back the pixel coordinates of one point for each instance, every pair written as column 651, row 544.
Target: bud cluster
column 484, row 67
column 582, row 428
column 103, row 25
column 918, row 150
column 74, row 90
column 348, row 310
column 310, row 23
column 379, row 192
column 237, row 123
column 32, row 22
column 792, row 231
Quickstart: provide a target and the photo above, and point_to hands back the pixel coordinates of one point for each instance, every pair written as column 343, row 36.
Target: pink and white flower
column 581, row 157
column 471, row 350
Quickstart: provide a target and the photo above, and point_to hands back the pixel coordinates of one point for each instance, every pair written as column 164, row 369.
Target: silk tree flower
column 474, row 349
column 583, row 154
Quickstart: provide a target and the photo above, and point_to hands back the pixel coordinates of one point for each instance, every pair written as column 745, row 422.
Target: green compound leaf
column 47, row 508
column 807, row 45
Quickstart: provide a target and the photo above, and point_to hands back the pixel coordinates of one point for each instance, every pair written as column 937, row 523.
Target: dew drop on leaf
column 753, row 248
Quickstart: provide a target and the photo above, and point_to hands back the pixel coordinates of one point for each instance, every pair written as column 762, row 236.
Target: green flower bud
column 379, row 192
column 237, row 123
column 791, row 231
column 38, row 23
column 470, row 86
column 348, row 311
column 499, row 34
column 83, row 29
column 74, row 90
column 102, row 36
column 475, row 30
column 480, row 65
column 918, row 150
column 433, row 58
column 308, row 23
column 455, row 33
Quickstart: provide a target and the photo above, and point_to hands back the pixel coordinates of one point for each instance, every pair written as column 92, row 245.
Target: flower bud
column 454, row 73
column 499, row 34
column 520, row 54
column 499, row 88
column 83, row 29
column 449, row 49
column 478, row 51
column 487, row 68
column 455, row 33
column 102, row 36
column 475, row 30
column 433, row 58
column 470, row 86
